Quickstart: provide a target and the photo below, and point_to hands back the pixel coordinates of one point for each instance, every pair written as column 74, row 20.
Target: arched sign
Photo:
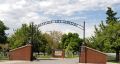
column 61, row 21
column 82, row 27
column 66, row 22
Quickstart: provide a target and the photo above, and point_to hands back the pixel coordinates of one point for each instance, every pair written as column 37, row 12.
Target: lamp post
column 31, row 39
column 84, row 44
column 84, row 33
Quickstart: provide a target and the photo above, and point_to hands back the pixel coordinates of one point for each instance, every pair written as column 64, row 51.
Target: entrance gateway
column 82, row 27
column 82, row 50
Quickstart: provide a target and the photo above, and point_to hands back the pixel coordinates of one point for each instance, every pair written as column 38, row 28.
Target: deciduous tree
column 107, row 36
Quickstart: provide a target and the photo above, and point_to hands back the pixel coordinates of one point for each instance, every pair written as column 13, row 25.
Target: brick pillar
column 82, row 55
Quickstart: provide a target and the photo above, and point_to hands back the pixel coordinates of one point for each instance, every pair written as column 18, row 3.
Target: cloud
column 66, row 8
column 16, row 12
column 34, row 17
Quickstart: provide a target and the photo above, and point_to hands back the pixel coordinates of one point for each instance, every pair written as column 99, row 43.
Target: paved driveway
column 48, row 61
column 45, row 61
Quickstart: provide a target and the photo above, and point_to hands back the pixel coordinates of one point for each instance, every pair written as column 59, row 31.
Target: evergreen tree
column 111, row 16
column 3, row 37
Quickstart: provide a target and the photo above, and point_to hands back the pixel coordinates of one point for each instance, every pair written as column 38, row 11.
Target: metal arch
column 70, row 23
column 61, row 21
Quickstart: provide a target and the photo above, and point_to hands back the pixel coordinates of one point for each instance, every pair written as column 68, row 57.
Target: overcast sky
column 16, row 12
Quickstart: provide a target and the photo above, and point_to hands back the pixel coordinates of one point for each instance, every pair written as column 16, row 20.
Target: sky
column 16, row 12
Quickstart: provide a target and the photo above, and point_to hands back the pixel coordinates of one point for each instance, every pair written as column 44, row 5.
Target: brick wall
column 21, row 53
column 89, row 55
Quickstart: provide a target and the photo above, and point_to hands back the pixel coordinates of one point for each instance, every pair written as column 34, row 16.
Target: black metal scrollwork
column 61, row 21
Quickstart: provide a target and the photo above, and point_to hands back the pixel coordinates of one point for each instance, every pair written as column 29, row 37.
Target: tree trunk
column 44, row 53
column 117, row 55
column 38, row 52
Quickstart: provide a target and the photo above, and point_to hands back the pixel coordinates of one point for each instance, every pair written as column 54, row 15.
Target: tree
column 111, row 16
column 44, row 44
column 107, row 36
column 20, row 37
column 27, row 34
column 3, row 37
column 71, row 42
column 113, row 38
column 54, row 38
column 97, row 41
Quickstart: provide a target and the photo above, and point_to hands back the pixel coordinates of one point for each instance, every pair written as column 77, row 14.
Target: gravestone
column 89, row 55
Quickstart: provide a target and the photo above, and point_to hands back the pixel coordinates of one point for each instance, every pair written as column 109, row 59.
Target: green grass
column 3, row 57
column 111, row 60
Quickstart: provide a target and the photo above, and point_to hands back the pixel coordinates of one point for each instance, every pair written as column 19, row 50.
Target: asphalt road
column 45, row 61
column 49, row 61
